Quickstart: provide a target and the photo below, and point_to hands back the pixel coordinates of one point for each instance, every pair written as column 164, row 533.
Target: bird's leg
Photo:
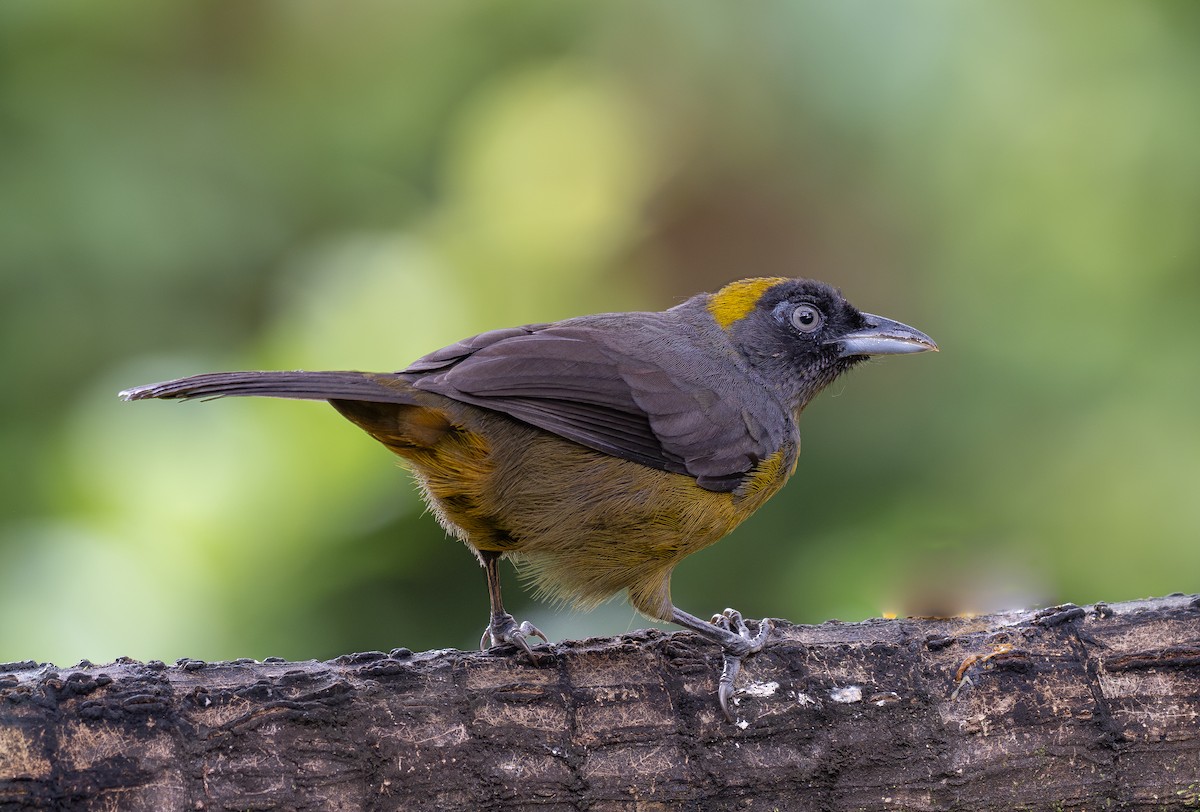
column 731, row 632
column 503, row 627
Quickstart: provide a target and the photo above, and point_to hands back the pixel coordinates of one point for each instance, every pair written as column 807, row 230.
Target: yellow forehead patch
column 737, row 299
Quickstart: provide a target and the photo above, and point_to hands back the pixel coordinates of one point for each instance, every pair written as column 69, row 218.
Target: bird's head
column 800, row 334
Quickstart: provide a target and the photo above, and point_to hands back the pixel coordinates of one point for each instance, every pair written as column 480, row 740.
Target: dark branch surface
column 1069, row 708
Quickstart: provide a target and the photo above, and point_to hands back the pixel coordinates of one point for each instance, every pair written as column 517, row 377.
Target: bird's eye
column 807, row 319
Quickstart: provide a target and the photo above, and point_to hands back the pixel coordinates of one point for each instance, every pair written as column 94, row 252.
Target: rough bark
column 1064, row 709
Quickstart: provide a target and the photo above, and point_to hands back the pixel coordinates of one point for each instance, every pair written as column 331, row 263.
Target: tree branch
column 1066, row 708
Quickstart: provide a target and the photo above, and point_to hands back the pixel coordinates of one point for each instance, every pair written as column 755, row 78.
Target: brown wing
column 636, row 387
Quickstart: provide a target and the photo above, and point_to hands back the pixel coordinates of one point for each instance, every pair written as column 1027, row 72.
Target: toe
column 528, row 629
column 735, row 623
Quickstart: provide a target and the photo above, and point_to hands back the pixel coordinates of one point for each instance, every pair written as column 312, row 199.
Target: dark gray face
column 802, row 334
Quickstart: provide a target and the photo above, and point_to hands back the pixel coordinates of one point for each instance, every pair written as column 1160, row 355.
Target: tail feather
column 299, row 385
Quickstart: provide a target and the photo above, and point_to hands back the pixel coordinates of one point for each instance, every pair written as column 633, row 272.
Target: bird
column 599, row 451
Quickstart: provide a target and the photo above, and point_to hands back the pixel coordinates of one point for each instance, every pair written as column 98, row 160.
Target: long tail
column 362, row 386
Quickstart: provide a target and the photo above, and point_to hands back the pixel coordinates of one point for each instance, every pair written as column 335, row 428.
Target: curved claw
column 504, row 629
column 729, row 672
column 731, row 621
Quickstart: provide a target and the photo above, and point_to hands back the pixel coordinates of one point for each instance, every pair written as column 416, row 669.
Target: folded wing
column 643, row 393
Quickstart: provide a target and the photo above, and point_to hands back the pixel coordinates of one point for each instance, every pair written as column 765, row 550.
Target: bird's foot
column 740, row 644
column 505, row 629
column 730, row 631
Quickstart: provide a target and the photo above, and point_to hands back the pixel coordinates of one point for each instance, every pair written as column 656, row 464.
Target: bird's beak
column 883, row 337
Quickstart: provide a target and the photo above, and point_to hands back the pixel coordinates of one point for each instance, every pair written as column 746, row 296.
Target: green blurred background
column 197, row 186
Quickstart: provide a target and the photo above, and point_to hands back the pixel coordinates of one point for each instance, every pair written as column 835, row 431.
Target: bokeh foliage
column 193, row 186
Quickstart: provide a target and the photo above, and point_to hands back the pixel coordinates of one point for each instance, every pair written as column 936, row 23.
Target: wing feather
column 642, row 389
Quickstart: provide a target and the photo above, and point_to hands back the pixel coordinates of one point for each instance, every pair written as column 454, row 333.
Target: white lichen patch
column 850, row 693
column 760, row 689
